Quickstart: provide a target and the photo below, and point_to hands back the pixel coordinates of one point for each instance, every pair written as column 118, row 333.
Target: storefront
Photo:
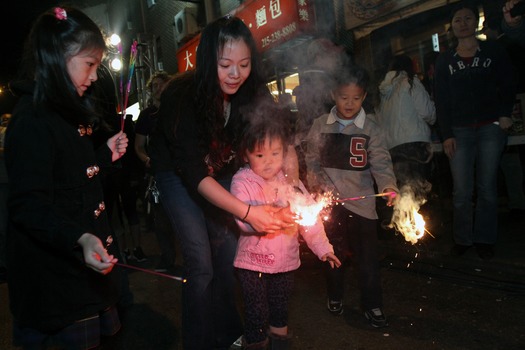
column 282, row 30
column 419, row 29
column 372, row 32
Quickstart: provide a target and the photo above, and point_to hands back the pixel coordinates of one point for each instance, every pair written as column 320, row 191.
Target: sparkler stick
column 121, row 88
column 177, row 278
column 131, row 68
column 363, row 197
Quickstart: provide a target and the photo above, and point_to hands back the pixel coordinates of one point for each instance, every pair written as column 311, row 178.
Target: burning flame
column 307, row 209
column 406, row 218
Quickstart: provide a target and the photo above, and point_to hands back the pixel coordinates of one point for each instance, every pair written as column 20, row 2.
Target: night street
column 432, row 300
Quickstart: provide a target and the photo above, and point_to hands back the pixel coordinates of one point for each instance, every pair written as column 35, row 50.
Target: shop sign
column 187, row 55
column 272, row 22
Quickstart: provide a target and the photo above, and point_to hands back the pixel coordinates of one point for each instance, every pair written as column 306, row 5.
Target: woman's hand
column 449, row 147
column 117, row 144
column 511, row 21
column 95, row 255
column 505, row 123
column 269, row 219
column 332, row 260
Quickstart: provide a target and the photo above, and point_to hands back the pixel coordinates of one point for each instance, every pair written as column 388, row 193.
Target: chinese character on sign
column 260, row 17
column 189, row 65
column 303, row 15
column 275, row 8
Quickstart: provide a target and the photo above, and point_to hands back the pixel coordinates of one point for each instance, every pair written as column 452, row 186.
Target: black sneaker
column 139, row 254
column 485, row 251
column 128, row 255
column 335, row 306
column 238, row 344
column 376, row 318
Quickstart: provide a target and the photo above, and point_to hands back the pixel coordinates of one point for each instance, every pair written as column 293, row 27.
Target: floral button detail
column 92, row 171
column 85, row 130
column 100, row 209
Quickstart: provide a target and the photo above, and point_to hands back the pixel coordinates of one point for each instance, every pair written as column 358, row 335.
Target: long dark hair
column 403, row 63
column 209, row 96
column 52, row 41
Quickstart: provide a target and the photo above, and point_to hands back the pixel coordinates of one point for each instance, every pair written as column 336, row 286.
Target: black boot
column 279, row 342
column 263, row 345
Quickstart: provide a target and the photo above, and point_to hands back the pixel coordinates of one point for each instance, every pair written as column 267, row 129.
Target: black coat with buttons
column 55, row 196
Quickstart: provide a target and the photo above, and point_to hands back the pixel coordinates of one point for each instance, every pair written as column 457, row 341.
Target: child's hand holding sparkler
column 332, row 260
column 96, row 256
column 118, row 144
column 390, row 196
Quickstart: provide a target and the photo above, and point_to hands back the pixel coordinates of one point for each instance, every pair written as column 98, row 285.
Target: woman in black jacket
column 474, row 96
column 192, row 152
column 62, row 288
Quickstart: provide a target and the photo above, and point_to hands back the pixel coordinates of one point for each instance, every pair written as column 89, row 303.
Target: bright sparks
column 308, row 210
column 406, row 218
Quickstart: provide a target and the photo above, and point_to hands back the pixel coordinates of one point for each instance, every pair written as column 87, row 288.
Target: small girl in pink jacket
column 265, row 261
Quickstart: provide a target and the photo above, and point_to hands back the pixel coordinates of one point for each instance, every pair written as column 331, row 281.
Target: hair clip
column 228, row 16
column 60, row 13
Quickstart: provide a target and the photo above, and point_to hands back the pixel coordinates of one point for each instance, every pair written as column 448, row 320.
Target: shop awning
column 363, row 17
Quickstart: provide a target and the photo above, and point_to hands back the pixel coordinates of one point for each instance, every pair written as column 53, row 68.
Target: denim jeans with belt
column 476, row 162
column 210, row 318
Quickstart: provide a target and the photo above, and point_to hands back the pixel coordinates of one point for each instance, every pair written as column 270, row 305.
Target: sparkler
column 124, row 95
column 384, row 194
column 177, row 278
column 109, row 241
column 309, row 212
column 406, row 218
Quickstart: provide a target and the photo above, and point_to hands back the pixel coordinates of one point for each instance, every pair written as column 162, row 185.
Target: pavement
column 432, row 300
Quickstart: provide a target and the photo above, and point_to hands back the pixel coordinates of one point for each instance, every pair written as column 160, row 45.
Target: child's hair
column 353, row 75
column 57, row 35
column 403, row 63
column 269, row 122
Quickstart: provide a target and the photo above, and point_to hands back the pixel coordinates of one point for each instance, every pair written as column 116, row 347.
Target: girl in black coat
column 60, row 258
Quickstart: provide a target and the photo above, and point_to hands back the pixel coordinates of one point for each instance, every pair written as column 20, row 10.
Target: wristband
column 247, row 212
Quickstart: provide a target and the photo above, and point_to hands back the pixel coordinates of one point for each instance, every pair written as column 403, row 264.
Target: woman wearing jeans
column 475, row 92
column 192, row 155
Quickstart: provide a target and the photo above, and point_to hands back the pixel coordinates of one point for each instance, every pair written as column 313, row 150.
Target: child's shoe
column 376, row 318
column 139, row 254
column 335, row 306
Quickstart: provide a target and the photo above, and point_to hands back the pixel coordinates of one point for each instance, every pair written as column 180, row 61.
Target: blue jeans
column 210, row 318
column 477, row 159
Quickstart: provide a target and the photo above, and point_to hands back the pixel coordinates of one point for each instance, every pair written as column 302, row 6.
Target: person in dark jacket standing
column 475, row 93
column 62, row 282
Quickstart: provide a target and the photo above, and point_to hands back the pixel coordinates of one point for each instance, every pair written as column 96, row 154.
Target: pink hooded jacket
column 278, row 252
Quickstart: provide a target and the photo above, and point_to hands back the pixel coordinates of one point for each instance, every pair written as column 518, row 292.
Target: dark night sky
column 20, row 14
